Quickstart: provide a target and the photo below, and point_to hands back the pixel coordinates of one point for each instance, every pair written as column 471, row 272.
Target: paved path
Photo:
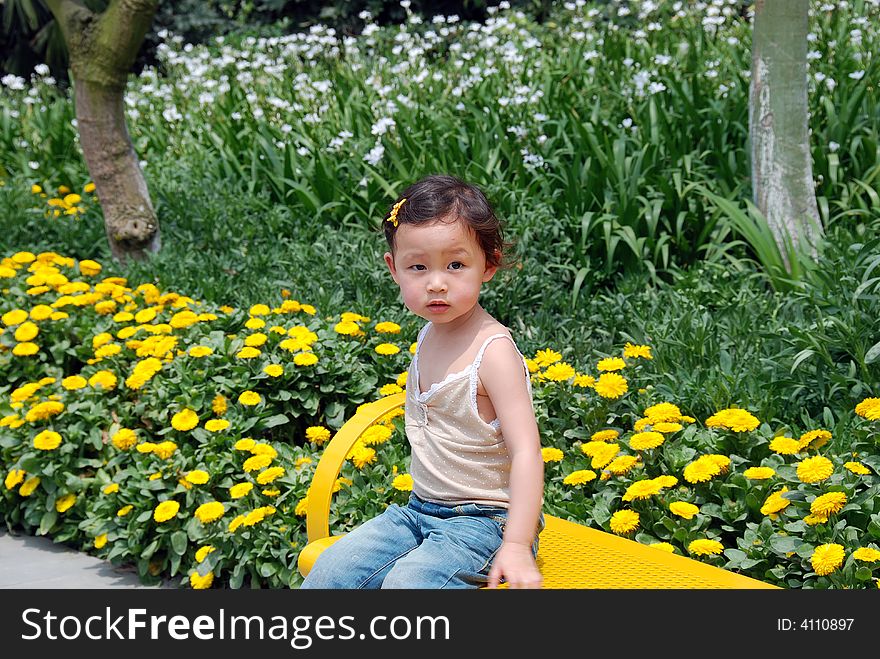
column 37, row 562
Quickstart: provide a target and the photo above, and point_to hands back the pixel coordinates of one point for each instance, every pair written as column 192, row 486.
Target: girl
column 475, row 511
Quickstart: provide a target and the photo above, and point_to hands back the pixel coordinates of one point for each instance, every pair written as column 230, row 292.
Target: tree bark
column 103, row 47
column 782, row 168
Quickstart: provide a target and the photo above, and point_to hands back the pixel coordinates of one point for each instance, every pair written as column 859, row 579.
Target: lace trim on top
column 472, row 368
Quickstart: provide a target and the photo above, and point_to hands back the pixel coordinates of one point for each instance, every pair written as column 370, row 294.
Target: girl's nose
column 436, row 284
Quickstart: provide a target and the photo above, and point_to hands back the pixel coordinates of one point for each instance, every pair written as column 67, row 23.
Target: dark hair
column 448, row 199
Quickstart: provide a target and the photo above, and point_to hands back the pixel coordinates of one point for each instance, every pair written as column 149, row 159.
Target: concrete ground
column 37, row 562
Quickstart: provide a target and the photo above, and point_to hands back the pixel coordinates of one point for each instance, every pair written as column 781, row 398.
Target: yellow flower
column 122, row 512
column 124, row 439
column 210, row 512
column 759, row 473
column 775, row 503
column 64, row 503
column 785, row 445
column 814, row 439
column 274, row 370
column 610, row 385
column 362, row 456
column 219, row 405
column 197, row 477
column 257, row 462
column 621, row 464
column 857, row 468
column 269, row 475
column 665, row 426
column 827, row 558
column 869, row 408
column 610, row 364
column 584, row 381
column 249, row 398
column 199, row 582
column 580, row 477
column 48, row 440
column 244, row 444
column 734, row 419
column 103, row 379
column 29, row 486
column 305, row 359
column 701, row 470
column 248, row 352
column 828, row 504
column 256, row 340
column 100, row 541
column 26, row 331
column 389, row 389
column 25, row 349
column 559, row 372
column 235, row 523
column 403, row 483
column 87, row 267
column 239, row 490
column 645, row 441
column 164, row 450
column 184, row 420
column 605, row 435
column 630, row 350
column 663, row 546
column 302, row 507
column 705, row 547
column 14, row 477
column 165, row 511
column 346, row 327
column 867, row 554
column 643, row 489
column 550, row 454
column 624, row 521
column 387, row 328
column 111, row 488
column 216, row 425
column 547, row 357
column 683, row 509
column 14, row 317
column 375, row 435
column 317, row 434
column 44, row 410
column 203, row 551
column 200, row 351
column 302, row 460
column 73, row 382
column 387, row 349
column 815, row 469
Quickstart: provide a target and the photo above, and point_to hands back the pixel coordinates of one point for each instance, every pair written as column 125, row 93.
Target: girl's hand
column 515, row 563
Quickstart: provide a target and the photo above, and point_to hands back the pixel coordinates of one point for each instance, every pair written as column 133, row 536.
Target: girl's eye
column 417, row 266
column 456, row 265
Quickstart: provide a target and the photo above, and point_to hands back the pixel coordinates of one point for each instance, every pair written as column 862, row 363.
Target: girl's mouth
column 438, row 307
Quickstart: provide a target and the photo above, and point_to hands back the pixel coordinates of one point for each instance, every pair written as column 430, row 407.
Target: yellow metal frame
column 570, row 555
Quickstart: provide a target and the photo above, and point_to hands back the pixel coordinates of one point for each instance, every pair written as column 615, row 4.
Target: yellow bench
column 570, row 555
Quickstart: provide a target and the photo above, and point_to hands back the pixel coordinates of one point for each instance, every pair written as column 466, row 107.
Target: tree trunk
column 103, row 47
column 782, row 169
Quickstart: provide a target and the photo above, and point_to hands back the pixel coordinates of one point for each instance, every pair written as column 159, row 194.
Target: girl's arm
column 503, row 376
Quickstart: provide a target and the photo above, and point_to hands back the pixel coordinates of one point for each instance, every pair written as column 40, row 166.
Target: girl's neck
column 460, row 324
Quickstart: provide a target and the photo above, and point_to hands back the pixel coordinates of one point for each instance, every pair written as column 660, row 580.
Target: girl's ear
column 389, row 261
column 489, row 272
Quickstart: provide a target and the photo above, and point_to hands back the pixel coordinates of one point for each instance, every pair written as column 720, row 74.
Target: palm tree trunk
column 103, row 47
column 782, row 169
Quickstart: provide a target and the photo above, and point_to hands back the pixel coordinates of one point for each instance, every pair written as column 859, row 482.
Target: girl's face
column 439, row 268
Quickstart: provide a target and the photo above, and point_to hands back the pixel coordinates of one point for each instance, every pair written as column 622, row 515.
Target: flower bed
column 147, row 428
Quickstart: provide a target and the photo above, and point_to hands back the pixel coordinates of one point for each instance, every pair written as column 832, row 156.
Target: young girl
column 475, row 511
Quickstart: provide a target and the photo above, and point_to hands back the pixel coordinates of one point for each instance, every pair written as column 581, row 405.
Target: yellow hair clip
column 393, row 216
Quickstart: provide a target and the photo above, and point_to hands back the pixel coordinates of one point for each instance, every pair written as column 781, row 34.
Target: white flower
column 857, row 75
column 833, row 146
column 381, row 127
column 375, row 154
column 34, row 165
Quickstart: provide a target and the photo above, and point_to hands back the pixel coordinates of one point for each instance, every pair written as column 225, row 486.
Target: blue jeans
column 420, row 545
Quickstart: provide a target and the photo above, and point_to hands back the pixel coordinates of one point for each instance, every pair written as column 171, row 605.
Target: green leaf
column 179, row 541
column 47, row 522
column 276, row 420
